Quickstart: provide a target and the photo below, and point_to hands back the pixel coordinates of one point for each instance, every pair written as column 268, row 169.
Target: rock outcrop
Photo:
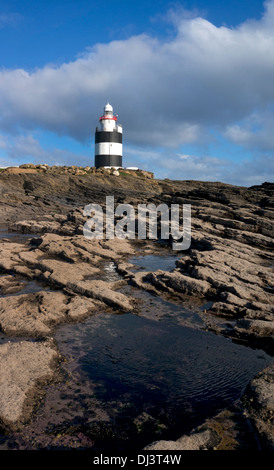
column 51, row 274
column 259, row 403
column 24, row 367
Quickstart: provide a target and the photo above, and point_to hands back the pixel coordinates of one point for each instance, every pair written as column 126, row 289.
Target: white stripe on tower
column 108, row 148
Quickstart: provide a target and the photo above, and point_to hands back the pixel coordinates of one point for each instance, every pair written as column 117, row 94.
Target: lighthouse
column 108, row 140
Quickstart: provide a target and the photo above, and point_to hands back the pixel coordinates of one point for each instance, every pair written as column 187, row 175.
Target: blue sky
column 191, row 81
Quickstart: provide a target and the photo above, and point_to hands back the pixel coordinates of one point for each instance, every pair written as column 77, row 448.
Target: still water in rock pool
column 154, row 379
column 154, row 262
column 134, row 378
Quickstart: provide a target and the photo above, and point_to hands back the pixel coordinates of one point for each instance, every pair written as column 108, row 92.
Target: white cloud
column 190, row 167
column 204, row 168
column 166, row 92
column 27, row 149
column 256, row 132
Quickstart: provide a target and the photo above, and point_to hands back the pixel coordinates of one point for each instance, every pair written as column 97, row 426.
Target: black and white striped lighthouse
column 108, row 141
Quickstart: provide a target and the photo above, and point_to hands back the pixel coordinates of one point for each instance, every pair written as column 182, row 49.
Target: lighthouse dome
column 108, row 108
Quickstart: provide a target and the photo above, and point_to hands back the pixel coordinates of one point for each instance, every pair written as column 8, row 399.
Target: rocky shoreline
column 226, row 275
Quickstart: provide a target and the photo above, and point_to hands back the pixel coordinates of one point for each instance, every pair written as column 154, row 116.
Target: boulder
column 24, row 367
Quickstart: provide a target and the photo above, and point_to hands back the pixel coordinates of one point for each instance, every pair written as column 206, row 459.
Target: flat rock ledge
column 24, row 368
column 234, row 280
column 35, row 315
column 259, row 403
column 229, row 267
column 69, row 270
column 203, row 440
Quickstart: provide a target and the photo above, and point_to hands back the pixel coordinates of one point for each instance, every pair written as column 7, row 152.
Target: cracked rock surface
column 51, row 274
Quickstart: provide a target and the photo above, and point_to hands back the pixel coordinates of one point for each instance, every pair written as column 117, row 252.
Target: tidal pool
column 154, row 262
column 134, row 378
column 155, row 379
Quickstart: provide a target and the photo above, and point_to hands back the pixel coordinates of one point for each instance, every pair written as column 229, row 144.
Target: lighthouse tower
column 108, row 140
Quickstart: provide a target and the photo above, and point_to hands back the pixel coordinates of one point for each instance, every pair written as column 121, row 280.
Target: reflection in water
column 154, row 262
column 16, row 237
column 135, row 378
column 157, row 379
column 23, row 287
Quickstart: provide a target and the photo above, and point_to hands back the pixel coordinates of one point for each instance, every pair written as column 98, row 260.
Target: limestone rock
column 261, row 328
column 23, row 366
column 259, row 402
column 32, row 314
column 204, row 440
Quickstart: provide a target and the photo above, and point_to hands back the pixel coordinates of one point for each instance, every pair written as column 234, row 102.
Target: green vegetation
column 124, row 173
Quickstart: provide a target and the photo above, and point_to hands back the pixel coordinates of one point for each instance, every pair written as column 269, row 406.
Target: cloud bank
column 168, row 92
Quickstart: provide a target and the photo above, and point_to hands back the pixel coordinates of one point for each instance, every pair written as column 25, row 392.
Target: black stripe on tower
column 104, row 136
column 108, row 160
